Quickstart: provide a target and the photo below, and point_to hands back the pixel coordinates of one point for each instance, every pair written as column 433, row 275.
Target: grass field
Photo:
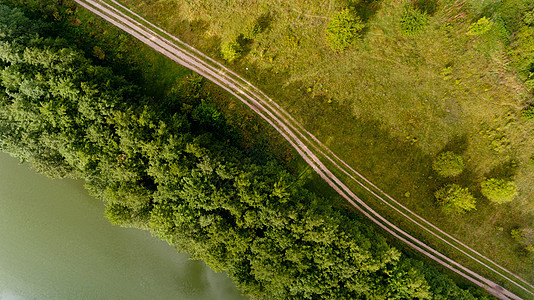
column 387, row 105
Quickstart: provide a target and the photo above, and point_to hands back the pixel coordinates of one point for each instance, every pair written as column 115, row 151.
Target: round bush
column 455, row 199
column 412, row 21
column 448, row 164
column 343, row 29
column 499, row 190
column 231, row 50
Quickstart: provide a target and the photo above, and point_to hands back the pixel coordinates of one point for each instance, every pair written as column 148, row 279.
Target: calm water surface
column 56, row 244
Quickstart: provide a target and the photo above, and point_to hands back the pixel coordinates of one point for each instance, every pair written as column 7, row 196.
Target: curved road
column 309, row 147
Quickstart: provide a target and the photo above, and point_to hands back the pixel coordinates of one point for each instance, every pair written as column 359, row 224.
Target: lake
column 56, row 244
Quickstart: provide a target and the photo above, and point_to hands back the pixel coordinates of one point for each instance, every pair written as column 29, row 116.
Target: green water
column 56, row 244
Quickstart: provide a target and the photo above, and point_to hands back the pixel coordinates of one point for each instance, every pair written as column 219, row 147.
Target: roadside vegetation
column 420, row 78
column 168, row 162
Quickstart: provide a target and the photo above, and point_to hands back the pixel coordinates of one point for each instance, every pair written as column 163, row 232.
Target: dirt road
column 309, row 147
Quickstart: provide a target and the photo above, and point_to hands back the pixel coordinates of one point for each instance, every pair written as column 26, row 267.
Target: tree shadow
column 198, row 26
column 245, row 44
column 259, row 26
column 366, row 9
column 468, row 178
column 506, row 170
column 264, row 21
column 457, row 144
column 428, row 6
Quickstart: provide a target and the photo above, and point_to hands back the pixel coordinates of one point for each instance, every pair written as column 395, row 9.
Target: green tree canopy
column 343, row 29
column 448, row 164
column 412, row 20
column 525, row 236
column 499, row 190
column 455, row 199
column 231, row 50
column 481, row 26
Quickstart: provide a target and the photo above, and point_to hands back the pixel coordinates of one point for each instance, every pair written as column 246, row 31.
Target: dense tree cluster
column 160, row 164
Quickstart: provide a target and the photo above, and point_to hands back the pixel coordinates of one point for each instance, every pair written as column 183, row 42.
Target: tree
column 525, row 237
column 455, row 199
column 528, row 17
column 56, row 10
column 480, row 27
column 499, row 190
column 528, row 113
column 406, row 282
column 343, row 29
column 231, row 50
column 412, row 21
column 448, row 164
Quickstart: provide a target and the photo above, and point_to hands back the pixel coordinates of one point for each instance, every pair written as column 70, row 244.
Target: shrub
column 343, row 29
column 231, row 50
column 529, row 113
column 525, row 237
column 448, row 164
column 499, row 190
column 480, row 27
column 528, row 18
column 529, row 83
column 412, row 21
column 455, row 199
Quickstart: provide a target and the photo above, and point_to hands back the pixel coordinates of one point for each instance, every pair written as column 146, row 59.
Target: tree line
column 165, row 165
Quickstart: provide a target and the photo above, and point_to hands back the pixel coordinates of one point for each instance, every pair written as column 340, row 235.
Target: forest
column 170, row 165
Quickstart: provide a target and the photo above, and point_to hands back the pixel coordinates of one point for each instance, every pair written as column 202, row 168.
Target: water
column 56, row 244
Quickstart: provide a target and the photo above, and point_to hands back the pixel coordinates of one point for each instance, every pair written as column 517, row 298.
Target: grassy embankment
column 387, row 105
